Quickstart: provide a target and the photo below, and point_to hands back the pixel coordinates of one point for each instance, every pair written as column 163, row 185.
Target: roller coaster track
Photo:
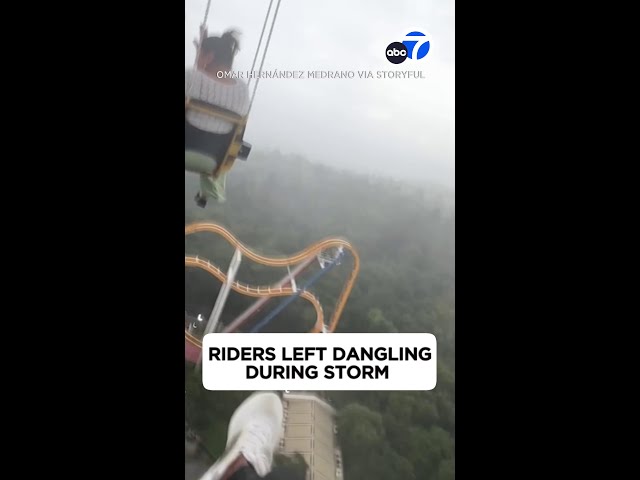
column 284, row 261
column 261, row 291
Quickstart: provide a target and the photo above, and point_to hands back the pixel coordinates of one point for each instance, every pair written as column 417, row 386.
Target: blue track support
column 286, row 302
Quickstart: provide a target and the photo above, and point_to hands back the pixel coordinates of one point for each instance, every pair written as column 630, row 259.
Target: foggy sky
column 403, row 128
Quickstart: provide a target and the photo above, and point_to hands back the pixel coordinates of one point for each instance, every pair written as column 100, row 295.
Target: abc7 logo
column 398, row 52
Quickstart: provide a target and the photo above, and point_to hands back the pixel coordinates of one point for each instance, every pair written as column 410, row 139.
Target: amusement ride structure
column 324, row 255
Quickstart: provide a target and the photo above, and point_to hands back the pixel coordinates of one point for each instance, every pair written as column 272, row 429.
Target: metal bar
column 244, row 316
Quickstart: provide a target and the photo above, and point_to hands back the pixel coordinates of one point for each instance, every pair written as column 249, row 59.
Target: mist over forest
column 405, row 236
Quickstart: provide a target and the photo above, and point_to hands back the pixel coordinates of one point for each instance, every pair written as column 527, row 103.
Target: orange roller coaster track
column 284, row 261
column 261, row 291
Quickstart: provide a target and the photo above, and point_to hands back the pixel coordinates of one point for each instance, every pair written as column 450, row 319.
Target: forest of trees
column 405, row 236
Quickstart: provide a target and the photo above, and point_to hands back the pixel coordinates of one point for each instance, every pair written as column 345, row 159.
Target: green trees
column 362, row 431
column 363, row 436
column 381, row 446
column 406, row 241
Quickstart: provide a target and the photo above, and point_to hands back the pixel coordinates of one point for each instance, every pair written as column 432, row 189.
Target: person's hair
column 224, row 47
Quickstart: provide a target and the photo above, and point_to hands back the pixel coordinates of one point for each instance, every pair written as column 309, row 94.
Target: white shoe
column 254, row 432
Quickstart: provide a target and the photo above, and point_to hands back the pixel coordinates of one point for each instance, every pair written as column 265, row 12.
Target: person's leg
column 253, row 436
column 202, row 149
column 197, row 162
column 213, row 187
column 244, row 473
column 210, row 187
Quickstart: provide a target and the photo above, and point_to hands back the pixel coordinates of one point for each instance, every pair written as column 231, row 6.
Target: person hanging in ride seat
column 212, row 82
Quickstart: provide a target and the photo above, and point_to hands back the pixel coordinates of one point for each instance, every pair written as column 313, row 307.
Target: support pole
column 214, row 318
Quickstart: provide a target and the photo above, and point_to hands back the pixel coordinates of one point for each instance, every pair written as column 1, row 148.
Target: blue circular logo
column 422, row 50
